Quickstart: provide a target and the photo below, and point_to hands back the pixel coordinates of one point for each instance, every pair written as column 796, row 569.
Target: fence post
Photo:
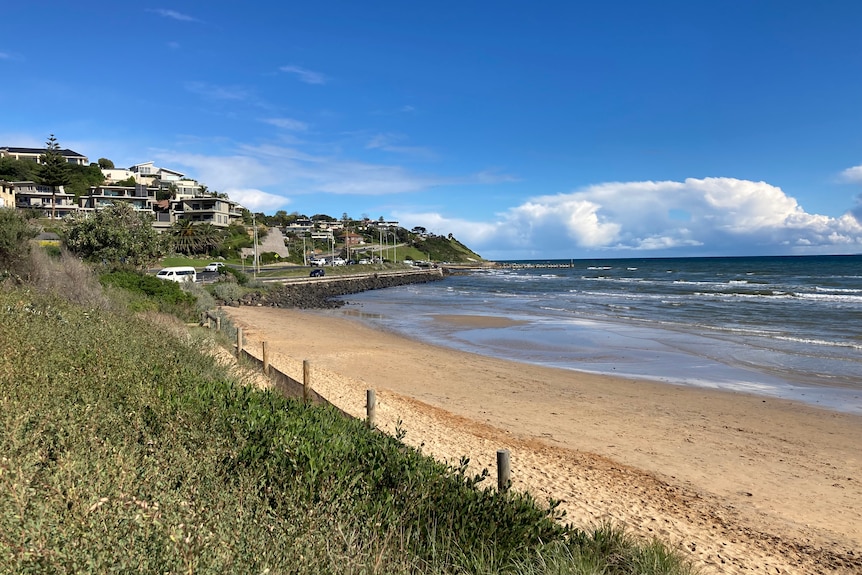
column 503, row 470
column 306, row 380
column 218, row 324
column 265, row 359
column 370, row 407
column 238, row 342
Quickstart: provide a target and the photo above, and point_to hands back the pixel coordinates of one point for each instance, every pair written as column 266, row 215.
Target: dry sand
column 739, row 483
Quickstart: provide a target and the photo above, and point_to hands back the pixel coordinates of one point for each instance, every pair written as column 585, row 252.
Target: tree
column 82, row 177
column 54, row 171
column 191, row 238
column 128, row 182
column 116, row 236
column 105, row 164
column 13, row 170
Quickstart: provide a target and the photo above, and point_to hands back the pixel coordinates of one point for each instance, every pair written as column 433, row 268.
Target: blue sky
column 526, row 129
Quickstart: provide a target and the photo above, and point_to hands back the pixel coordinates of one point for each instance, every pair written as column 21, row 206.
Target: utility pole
column 254, row 241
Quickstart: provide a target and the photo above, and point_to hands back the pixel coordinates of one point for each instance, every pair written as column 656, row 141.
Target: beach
column 739, row 483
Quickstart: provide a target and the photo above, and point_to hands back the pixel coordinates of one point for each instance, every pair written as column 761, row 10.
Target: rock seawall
column 321, row 293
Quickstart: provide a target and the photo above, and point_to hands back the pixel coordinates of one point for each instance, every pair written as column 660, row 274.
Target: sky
column 544, row 129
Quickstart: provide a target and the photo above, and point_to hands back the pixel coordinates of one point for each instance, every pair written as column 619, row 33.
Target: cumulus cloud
column 711, row 215
column 305, row 75
column 853, row 174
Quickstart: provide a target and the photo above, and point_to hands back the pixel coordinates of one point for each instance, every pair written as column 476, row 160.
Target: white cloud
column 721, row 216
column 305, row 75
column 853, row 174
column 5, row 56
column 173, row 14
column 218, row 92
column 389, row 143
column 287, row 124
column 295, row 172
column 256, row 200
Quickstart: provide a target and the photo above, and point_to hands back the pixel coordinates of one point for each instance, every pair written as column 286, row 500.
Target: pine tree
column 54, row 171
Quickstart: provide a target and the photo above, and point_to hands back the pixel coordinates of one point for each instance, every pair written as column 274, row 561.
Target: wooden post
column 504, row 470
column 265, row 359
column 370, row 407
column 218, row 324
column 238, row 342
column 306, row 380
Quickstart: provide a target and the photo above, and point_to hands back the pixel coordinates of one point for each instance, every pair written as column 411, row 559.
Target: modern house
column 148, row 173
column 199, row 207
column 139, row 197
column 51, row 202
column 35, row 155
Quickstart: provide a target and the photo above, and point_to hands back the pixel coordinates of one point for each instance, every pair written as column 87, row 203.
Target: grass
column 126, row 447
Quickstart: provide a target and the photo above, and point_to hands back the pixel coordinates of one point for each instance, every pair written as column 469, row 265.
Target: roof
column 64, row 152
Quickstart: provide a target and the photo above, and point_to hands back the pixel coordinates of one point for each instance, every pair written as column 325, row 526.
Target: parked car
column 178, row 274
column 339, row 262
column 364, row 261
column 213, row 267
column 317, row 273
column 318, row 261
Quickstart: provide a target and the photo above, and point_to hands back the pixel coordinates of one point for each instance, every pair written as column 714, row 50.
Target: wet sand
column 739, row 483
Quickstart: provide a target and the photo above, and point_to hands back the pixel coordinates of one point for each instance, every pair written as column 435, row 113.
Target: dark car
column 318, row 273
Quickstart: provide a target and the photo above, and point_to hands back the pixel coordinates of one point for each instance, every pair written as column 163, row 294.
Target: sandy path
column 741, row 484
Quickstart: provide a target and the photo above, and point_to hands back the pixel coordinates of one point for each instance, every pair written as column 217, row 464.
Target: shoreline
column 739, row 481
column 611, row 349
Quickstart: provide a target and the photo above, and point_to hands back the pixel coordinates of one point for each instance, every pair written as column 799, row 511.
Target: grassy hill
column 126, row 447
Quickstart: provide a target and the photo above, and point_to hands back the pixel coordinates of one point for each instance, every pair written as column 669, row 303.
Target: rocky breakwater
column 321, row 293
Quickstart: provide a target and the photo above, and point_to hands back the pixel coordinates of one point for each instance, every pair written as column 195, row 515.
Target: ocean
column 788, row 327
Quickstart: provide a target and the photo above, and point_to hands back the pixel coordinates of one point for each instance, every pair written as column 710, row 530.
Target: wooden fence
column 304, row 390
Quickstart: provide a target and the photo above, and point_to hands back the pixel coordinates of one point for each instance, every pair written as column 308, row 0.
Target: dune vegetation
column 126, row 446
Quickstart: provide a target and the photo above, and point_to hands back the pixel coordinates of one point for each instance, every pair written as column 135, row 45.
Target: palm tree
column 194, row 238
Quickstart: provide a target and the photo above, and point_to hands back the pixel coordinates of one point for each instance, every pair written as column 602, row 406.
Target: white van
column 178, row 274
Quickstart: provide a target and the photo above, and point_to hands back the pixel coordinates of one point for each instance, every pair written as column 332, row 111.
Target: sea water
column 788, row 327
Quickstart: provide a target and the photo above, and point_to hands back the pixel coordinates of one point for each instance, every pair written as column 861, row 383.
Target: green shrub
column 15, row 235
column 241, row 277
column 228, row 292
column 149, row 293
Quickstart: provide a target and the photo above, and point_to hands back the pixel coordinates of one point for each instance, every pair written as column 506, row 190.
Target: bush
column 15, row 235
column 241, row 277
column 228, row 292
column 152, row 293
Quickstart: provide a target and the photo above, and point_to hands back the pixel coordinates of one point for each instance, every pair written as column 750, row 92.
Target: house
column 351, row 239
column 50, row 201
column 7, row 194
column 139, row 197
column 35, row 155
column 113, row 175
column 299, row 227
column 204, row 208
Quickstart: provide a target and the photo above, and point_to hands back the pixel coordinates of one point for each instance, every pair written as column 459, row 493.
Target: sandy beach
column 739, row 483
